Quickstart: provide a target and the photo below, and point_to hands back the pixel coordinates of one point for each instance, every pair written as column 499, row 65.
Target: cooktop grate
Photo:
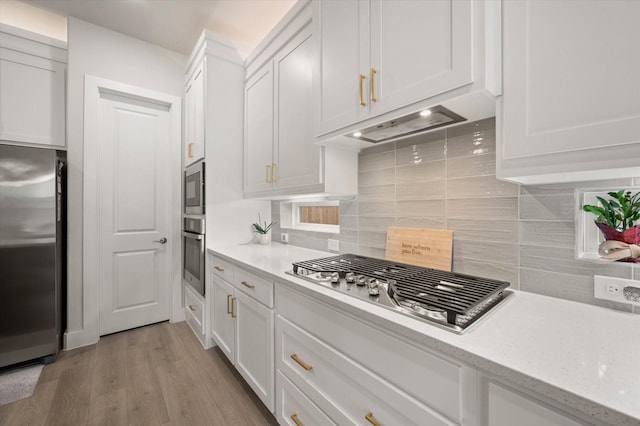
column 455, row 293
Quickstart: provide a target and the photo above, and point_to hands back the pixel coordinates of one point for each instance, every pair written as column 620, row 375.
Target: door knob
column 161, row 240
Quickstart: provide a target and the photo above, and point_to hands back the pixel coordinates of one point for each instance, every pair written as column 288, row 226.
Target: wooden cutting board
column 432, row 248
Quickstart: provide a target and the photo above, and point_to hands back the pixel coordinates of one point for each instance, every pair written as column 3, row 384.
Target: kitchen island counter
column 582, row 356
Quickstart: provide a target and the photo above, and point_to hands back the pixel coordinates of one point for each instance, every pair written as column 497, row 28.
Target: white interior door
column 134, row 211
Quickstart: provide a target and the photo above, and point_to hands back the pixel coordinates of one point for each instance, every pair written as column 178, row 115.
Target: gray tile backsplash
column 446, row 179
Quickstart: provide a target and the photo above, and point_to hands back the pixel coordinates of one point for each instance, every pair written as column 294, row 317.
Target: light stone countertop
column 583, row 356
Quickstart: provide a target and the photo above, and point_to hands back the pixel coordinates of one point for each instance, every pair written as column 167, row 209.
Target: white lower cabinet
column 194, row 313
column 503, row 406
column 254, row 346
column 312, row 363
column 222, row 321
column 242, row 325
column 358, row 374
column 294, row 408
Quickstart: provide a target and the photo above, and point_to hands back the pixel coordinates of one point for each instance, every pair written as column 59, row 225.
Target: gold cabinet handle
column 372, row 95
column 229, row 302
column 191, row 150
column 246, row 284
column 233, row 311
column 192, row 308
column 267, row 174
column 294, row 417
column 371, row 419
column 360, row 78
column 273, row 172
column 217, row 268
column 302, row 364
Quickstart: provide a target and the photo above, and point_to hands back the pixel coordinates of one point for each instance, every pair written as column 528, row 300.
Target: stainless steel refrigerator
column 32, row 251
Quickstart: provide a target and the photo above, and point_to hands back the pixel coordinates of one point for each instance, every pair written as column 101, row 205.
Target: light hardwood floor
column 154, row 375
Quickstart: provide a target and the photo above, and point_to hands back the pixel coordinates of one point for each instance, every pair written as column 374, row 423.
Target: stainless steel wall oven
column 194, row 252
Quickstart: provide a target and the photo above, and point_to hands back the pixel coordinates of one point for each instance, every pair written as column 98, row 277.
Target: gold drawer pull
column 273, row 172
column 191, row 150
column 294, row 417
column 267, row 174
column 246, row 284
column 217, row 268
column 372, row 96
column 192, row 308
column 229, row 304
column 371, row 419
column 302, row 364
column 233, row 311
column 360, row 78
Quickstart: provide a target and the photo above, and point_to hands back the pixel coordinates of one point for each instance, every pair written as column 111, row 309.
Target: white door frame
column 93, row 86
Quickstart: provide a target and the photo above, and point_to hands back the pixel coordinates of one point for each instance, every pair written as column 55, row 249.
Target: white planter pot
column 264, row 238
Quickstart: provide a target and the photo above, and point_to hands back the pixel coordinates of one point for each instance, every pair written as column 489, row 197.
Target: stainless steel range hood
column 428, row 119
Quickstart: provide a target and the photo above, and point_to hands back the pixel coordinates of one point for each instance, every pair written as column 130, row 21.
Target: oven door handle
column 192, row 236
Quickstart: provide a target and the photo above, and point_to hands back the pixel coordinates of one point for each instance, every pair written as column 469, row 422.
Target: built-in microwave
column 194, row 189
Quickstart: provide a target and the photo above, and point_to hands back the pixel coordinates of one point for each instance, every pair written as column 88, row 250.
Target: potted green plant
column 616, row 217
column 262, row 231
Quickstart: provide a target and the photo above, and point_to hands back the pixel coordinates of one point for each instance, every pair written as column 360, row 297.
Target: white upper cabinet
column 281, row 158
column 296, row 155
column 376, row 57
column 419, row 49
column 279, row 143
column 194, row 119
column 258, row 131
column 32, row 89
column 339, row 27
column 570, row 108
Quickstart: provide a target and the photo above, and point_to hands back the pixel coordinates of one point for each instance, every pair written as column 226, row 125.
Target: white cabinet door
column 189, row 120
column 222, row 316
column 254, row 346
column 194, row 117
column 505, row 407
column 377, row 56
column 258, row 143
column 341, row 29
column 419, row 49
column 571, row 95
column 32, row 99
column 296, row 156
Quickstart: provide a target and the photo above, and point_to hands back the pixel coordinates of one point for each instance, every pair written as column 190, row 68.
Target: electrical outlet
column 333, row 245
column 284, row 238
column 616, row 289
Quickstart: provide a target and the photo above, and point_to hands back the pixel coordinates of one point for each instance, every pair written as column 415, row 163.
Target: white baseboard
column 177, row 316
column 78, row 339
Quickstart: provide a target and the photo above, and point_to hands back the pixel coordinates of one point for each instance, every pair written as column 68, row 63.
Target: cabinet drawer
column 255, row 286
column 292, row 404
column 194, row 313
column 222, row 268
column 347, row 392
column 397, row 361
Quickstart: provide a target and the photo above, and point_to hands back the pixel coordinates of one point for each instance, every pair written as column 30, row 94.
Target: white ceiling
column 177, row 24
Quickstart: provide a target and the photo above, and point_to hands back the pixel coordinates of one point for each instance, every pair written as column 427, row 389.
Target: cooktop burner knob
column 374, row 289
column 335, row 278
column 361, row 280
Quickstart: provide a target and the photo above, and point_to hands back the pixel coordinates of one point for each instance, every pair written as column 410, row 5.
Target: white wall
column 102, row 53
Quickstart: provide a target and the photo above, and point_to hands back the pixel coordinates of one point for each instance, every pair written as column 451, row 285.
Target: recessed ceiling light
column 425, row 113
column 357, row 134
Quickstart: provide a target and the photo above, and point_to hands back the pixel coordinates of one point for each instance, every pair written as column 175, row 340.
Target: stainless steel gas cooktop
column 450, row 300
